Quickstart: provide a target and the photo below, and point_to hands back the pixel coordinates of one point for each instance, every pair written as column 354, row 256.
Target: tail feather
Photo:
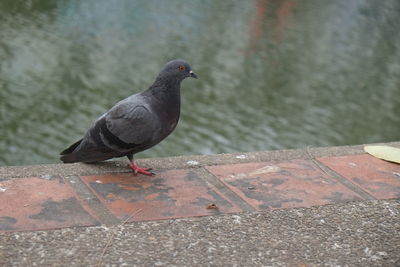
column 71, row 148
column 86, row 152
column 67, row 156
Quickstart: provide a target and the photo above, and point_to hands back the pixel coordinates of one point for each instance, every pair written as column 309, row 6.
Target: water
column 273, row 74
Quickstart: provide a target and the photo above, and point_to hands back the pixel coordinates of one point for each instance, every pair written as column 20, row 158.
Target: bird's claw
column 144, row 171
column 136, row 169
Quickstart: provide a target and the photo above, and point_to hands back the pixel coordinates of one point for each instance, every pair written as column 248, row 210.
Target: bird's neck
column 166, row 82
column 164, row 87
column 166, row 91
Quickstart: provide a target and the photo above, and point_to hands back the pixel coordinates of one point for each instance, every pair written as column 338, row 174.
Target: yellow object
column 387, row 153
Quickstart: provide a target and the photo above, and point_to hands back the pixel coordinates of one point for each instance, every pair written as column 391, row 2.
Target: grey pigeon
column 136, row 123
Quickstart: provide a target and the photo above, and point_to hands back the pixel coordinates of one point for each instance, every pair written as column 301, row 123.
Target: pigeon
column 135, row 123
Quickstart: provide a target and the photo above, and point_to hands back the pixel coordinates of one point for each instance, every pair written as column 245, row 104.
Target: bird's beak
column 192, row 74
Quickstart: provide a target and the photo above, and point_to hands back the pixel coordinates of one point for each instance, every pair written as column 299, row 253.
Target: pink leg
column 136, row 169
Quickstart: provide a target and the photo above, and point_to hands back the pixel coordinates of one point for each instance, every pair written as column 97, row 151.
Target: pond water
column 273, row 74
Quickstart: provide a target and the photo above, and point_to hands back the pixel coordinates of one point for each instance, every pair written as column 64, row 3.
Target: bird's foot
column 136, row 169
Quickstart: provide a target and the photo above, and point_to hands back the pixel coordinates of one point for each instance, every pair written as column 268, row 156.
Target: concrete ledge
column 67, row 195
column 181, row 162
column 314, row 206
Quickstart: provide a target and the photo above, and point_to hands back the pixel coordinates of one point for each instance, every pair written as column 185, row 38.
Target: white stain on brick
column 265, row 169
column 192, row 163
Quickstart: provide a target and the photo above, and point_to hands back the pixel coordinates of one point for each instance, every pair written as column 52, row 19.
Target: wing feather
column 134, row 124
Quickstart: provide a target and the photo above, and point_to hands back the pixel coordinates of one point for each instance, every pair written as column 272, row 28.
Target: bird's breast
column 167, row 108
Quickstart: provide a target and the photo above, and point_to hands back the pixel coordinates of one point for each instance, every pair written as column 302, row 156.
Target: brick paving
column 46, row 202
column 35, row 203
column 379, row 178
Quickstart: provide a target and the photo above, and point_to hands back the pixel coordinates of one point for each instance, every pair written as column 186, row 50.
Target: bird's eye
column 182, row 67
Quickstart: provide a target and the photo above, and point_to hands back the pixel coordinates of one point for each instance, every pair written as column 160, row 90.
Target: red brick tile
column 40, row 204
column 378, row 177
column 296, row 183
column 169, row 194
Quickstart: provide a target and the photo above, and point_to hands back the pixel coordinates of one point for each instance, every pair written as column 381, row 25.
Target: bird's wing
column 131, row 123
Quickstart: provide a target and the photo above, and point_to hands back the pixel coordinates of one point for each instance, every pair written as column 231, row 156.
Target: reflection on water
column 274, row 74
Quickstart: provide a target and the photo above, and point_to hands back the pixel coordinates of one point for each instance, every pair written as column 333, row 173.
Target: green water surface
column 273, row 74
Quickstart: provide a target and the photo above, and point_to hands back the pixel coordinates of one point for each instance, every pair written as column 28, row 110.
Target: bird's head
column 178, row 69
